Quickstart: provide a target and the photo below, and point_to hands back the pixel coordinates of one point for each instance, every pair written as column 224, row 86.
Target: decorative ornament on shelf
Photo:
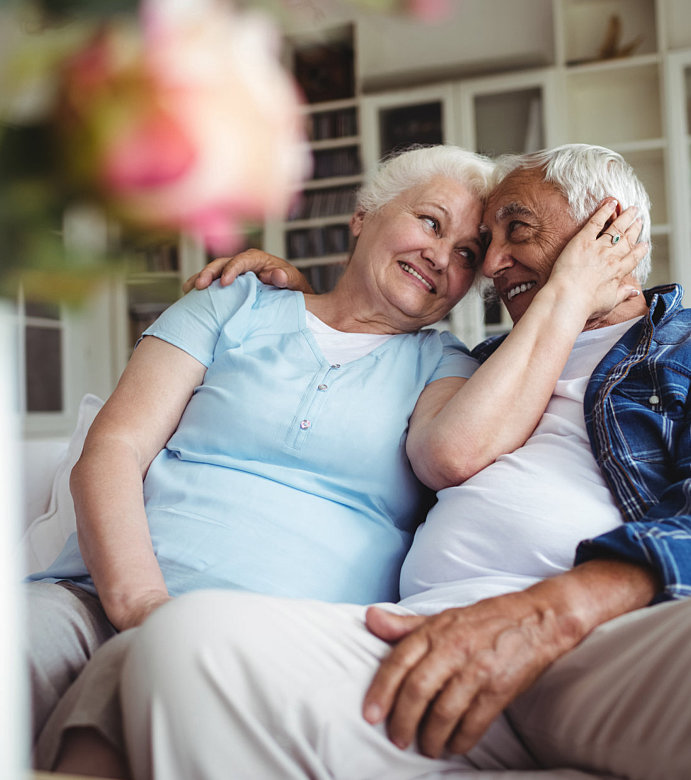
column 612, row 47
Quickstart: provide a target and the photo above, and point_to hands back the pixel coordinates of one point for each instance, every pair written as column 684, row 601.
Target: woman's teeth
column 519, row 288
column 410, row 270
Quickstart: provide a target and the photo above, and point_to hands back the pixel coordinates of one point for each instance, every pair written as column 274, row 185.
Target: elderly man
column 501, row 654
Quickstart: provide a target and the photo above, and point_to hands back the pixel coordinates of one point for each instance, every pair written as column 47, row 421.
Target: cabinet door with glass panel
column 507, row 114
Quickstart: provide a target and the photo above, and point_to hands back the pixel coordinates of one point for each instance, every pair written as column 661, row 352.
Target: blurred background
column 141, row 138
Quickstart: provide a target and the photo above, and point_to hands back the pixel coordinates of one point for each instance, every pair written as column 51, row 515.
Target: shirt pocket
column 650, row 415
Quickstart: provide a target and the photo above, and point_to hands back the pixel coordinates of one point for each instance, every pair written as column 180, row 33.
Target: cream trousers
column 232, row 685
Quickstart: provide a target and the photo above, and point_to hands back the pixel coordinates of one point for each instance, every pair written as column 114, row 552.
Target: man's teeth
column 519, row 288
column 409, row 269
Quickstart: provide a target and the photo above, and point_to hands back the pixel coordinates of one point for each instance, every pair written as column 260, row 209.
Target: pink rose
column 186, row 121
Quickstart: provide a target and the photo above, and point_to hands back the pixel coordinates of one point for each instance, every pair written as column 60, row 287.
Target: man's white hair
column 586, row 175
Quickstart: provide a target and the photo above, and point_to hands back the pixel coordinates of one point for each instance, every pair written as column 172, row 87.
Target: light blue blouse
column 286, row 475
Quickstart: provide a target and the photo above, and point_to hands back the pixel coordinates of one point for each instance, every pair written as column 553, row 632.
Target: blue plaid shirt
column 638, row 415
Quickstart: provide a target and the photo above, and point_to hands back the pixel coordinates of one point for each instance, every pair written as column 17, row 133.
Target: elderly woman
column 270, row 426
column 256, row 439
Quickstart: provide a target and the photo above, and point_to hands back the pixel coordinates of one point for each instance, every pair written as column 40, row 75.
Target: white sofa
column 49, row 519
column 48, row 511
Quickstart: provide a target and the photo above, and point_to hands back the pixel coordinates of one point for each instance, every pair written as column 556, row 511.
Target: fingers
column 627, row 225
column 483, row 710
column 203, row 278
column 442, row 719
column 389, row 626
column 213, row 270
column 249, row 260
column 277, row 277
column 416, row 700
column 381, row 695
column 596, row 223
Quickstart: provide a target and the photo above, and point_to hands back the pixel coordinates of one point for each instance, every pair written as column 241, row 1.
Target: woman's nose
column 438, row 255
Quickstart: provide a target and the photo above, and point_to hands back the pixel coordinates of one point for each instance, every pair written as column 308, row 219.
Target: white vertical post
column 13, row 700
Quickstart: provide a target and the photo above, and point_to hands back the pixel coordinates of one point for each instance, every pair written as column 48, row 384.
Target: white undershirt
column 520, row 519
column 337, row 346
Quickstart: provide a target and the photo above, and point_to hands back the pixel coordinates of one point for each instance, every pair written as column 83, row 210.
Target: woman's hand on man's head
column 269, row 268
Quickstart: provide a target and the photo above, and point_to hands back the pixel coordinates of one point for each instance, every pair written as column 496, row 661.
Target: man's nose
column 497, row 259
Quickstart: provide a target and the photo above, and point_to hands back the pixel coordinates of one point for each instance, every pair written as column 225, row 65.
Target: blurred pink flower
column 429, row 10
column 185, row 121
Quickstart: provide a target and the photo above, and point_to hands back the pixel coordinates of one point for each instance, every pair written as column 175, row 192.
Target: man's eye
column 517, row 229
column 431, row 222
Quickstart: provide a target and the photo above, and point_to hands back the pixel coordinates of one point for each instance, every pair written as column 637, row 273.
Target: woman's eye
column 470, row 257
column 431, row 222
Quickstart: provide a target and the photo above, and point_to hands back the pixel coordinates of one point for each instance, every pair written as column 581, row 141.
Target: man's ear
column 356, row 223
column 617, row 211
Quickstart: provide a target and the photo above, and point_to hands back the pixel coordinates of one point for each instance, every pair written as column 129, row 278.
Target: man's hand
column 450, row 675
column 269, row 268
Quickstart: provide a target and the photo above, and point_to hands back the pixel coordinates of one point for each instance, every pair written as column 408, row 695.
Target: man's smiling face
column 527, row 223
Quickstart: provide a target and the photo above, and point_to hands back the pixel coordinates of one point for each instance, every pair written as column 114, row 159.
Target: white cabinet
column 478, row 36
column 679, row 119
column 611, row 64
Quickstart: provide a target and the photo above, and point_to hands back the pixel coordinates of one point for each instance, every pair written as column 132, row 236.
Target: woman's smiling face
column 419, row 253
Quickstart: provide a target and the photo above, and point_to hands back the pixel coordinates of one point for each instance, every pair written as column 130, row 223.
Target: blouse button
column 305, row 424
column 322, row 387
column 653, row 400
column 336, row 365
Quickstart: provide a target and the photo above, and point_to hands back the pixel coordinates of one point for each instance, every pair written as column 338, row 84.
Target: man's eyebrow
column 514, row 209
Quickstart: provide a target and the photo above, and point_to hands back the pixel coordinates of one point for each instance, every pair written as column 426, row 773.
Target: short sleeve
column 194, row 322
column 455, row 360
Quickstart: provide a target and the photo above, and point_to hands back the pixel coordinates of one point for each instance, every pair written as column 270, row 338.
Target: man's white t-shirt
column 520, row 519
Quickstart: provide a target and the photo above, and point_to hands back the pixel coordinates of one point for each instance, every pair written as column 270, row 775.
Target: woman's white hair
column 586, row 175
column 399, row 172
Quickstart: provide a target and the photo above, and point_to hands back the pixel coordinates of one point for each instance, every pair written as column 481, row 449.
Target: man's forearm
column 595, row 592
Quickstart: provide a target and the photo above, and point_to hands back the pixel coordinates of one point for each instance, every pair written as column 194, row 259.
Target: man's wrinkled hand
column 450, row 675
column 268, row 268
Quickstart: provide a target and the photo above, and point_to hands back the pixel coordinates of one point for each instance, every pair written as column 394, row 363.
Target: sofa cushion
column 46, row 535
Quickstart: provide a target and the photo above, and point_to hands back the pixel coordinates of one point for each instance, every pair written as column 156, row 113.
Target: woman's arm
column 106, row 483
column 460, row 426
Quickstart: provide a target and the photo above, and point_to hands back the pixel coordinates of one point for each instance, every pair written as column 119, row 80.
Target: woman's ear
column 356, row 223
